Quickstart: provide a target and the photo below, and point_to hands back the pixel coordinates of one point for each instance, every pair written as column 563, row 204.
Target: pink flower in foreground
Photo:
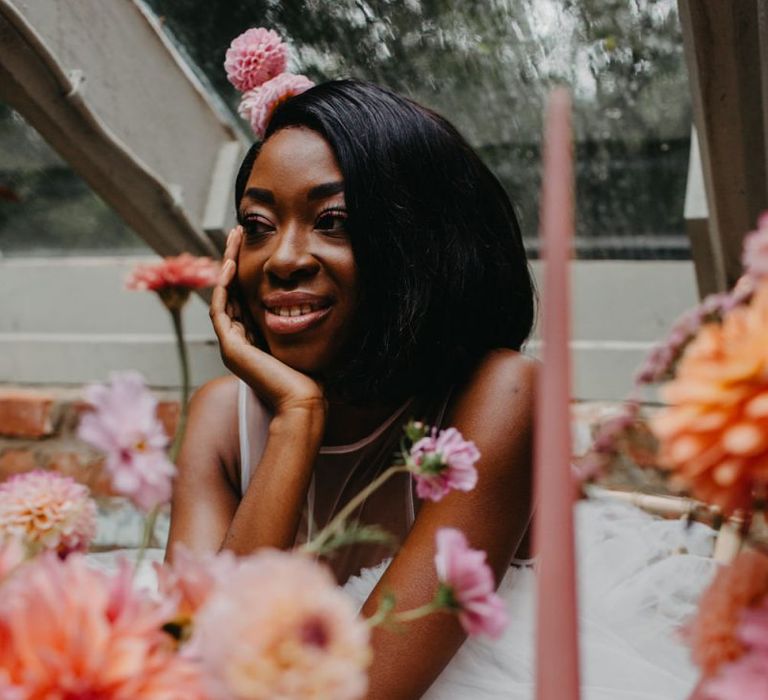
column 257, row 105
column 443, row 462
column 755, row 255
column 191, row 578
column 279, row 627
column 254, row 57
column 173, row 278
column 124, row 426
column 46, row 510
column 68, row 631
column 747, row 677
column 714, row 633
column 467, row 585
column 12, row 553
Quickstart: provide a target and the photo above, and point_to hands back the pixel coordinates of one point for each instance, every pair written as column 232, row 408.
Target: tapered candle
column 557, row 655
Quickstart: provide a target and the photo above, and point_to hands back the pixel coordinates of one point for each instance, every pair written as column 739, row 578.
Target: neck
column 347, row 423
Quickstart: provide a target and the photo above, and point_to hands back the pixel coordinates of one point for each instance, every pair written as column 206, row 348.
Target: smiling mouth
column 284, row 320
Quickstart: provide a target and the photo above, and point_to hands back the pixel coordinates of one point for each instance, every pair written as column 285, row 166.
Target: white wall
column 69, row 321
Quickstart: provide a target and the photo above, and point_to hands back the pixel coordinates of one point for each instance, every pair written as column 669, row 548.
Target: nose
column 291, row 259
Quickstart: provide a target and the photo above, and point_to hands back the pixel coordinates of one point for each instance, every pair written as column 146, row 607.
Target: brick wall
column 38, row 431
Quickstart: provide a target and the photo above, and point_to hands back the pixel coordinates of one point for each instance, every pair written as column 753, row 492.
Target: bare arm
column 207, row 511
column 494, row 410
column 205, row 496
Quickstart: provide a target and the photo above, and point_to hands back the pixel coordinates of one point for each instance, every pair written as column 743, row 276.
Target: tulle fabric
column 639, row 580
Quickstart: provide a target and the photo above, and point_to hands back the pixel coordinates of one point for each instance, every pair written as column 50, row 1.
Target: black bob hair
column 441, row 266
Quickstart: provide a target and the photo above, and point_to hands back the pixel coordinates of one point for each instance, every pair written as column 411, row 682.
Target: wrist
column 303, row 418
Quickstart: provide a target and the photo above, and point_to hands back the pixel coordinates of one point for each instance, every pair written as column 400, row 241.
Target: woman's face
column 296, row 271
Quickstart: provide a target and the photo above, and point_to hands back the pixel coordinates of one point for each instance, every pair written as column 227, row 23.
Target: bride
column 378, row 275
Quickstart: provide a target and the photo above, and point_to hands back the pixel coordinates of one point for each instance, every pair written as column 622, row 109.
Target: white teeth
column 292, row 310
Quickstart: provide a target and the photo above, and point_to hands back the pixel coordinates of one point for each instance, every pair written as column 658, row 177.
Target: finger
column 219, row 296
column 233, row 244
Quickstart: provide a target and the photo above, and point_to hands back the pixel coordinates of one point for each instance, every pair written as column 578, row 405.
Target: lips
column 286, row 313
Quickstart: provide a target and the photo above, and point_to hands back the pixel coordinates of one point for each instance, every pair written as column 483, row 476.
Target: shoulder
column 502, row 380
column 217, row 397
column 212, row 424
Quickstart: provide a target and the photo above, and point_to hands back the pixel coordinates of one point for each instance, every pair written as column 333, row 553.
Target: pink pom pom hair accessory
column 256, row 63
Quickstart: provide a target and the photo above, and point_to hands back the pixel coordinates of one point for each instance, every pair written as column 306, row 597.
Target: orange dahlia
column 714, row 434
column 68, row 631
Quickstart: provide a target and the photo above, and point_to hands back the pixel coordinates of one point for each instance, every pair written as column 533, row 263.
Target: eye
column 333, row 220
column 256, row 227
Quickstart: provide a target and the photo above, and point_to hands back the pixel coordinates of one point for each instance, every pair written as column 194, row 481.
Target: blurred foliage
column 488, row 65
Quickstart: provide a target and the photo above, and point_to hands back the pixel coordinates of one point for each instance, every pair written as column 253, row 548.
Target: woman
column 377, row 274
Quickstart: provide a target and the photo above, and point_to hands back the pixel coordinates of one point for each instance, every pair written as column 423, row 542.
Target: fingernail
column 229, row 236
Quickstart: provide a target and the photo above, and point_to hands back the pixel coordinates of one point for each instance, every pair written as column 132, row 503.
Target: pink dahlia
column 46, row 510
column 467, row 585
column 257, row 105
column 173, row 278
column 279, row 627
column 68, row 631
column 124, row 426
column 12, row 553
column 443, row 462
column 254, row 57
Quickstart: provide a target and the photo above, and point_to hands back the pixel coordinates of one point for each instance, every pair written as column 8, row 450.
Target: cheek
column 247, row 271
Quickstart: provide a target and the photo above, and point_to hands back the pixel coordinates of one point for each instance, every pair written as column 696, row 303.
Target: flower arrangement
column 273, row 624
column 710, row 442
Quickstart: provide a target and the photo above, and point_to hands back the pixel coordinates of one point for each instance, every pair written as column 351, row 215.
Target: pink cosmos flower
column 254, row 57
column 46, row 510
column 279, row 627
column 468, row 586
column 12, row 553
column 257, row 105
column 125, row 427
column 69, row 631
column 191, row 578
column 442, row 462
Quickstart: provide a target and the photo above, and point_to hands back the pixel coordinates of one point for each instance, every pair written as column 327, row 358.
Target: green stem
column 422, row 611
column 316, row 544
column 384, row 614
column 181, row 347
column 149, row 529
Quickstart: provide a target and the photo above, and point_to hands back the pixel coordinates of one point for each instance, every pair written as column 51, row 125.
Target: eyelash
column 250, row 223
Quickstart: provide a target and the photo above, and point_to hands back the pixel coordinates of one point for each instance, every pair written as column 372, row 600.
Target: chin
column 301, row 359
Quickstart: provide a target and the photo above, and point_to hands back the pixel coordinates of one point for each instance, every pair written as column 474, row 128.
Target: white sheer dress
column 640, row 576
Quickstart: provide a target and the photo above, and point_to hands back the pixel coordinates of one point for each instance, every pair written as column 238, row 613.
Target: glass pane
column 45, row 207
column 488, row 65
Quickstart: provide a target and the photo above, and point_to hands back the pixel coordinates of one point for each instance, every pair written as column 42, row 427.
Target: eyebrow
column 326, row 189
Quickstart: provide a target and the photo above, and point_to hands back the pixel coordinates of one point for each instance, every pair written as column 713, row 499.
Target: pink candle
column 557, row 655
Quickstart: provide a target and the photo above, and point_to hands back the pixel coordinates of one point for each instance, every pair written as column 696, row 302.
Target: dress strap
column 242, row 427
